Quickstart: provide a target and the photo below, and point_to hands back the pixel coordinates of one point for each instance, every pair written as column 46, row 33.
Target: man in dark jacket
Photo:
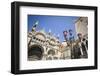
column 84, row 45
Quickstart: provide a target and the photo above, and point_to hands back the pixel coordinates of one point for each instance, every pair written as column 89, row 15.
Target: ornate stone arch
column 36, row 52
column 51, row 51
column 40, row 36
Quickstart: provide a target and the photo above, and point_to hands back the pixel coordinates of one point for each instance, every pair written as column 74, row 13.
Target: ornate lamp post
column 65, row 35
column 71, row 39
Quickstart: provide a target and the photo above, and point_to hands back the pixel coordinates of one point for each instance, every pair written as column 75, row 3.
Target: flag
column 36, row 23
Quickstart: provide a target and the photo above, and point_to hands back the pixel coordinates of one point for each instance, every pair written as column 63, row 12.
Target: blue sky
column 57, row 24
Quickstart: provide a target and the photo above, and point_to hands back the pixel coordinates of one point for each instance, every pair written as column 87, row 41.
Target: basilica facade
column 45, row 46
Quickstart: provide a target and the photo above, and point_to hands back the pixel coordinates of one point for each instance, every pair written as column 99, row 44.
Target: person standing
column 83, row 43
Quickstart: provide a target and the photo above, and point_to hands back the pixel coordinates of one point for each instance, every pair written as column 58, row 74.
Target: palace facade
column 81, row 26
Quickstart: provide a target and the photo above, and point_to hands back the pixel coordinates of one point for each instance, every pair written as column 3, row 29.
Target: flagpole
column 33, row 29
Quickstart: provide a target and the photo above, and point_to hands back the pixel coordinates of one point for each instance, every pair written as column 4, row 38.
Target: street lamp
column 71, row 38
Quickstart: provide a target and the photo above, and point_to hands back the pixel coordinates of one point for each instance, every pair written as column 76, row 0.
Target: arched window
column 40, row 36
column 51, row 52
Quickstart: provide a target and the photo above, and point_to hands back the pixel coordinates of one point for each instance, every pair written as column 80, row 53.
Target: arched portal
column 51, row 52
column 35, row 52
